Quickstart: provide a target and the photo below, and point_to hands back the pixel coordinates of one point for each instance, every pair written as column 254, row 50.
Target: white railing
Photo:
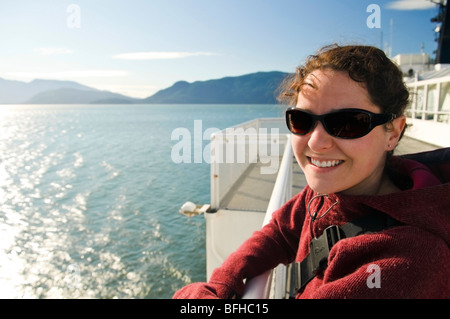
column 256, row 148
column 235, row 149
column 260, row 287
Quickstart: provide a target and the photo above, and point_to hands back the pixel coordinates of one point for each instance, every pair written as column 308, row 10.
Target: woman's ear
column 395, row 132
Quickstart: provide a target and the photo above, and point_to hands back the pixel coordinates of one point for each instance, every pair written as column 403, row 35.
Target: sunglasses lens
column 348, row 124
column 343, row 124
column 299, row 122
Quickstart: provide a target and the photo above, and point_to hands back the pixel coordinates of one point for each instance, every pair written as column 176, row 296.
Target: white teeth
column 325, row 163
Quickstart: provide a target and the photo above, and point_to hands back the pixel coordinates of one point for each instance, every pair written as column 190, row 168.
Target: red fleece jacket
column 413, row 259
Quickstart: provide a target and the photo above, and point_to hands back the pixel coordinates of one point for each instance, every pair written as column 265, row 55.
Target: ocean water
column 89, row 199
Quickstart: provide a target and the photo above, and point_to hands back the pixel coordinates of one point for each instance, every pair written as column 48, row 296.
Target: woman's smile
column 324, row 163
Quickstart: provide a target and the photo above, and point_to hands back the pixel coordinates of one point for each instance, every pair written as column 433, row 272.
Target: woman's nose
column 319, row 139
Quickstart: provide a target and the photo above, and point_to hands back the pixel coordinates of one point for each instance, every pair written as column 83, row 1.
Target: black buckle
column 317, row 260
column 320, row 247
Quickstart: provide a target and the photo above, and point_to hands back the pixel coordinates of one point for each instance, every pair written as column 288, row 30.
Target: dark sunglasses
column 345, row 123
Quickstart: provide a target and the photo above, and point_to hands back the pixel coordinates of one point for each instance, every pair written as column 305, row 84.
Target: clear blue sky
column 137, row 47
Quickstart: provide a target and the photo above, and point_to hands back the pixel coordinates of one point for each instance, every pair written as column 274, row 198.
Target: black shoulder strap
column 317, row 260
column 438, row 161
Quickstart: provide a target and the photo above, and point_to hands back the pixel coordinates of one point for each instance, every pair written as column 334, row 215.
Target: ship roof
column 430, row 75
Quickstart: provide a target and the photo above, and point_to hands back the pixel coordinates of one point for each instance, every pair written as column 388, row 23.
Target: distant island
column 254, row 88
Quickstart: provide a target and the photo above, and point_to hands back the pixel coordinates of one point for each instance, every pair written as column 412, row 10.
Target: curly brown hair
column 367, row 65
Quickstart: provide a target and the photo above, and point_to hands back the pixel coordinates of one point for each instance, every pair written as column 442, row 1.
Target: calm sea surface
column 89, row 199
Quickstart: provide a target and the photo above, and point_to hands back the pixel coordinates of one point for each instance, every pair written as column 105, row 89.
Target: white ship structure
column 428, row 115
column 429, row 82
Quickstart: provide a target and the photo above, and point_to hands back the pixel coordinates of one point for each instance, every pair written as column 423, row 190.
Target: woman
column 363, row 209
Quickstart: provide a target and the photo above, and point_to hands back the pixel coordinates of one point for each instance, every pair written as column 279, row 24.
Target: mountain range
column 255, row 88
